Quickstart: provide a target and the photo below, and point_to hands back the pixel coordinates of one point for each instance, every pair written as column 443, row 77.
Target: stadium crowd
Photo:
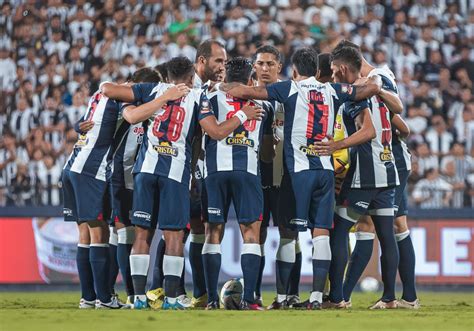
column 54, row 54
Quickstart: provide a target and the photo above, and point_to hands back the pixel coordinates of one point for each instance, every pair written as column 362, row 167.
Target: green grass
column 57, row 311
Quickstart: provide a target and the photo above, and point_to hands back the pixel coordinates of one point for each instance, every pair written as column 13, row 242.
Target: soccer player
column 310, row 108
column 84, row 189
column 231, row 172
column 163, row 169
column 368, row 186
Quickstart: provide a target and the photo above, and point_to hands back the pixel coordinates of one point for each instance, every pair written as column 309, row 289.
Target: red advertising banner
column 43, row 250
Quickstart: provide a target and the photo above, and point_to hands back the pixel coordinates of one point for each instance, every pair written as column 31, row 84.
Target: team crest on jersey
column 82, row 141
column 165, row 148
column 240, row 139
column 386, row 155
column 346, row 88
column 139, row 132
column 205, row 107
column 309, row 150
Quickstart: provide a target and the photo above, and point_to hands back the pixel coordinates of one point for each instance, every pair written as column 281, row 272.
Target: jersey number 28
column 175, row 125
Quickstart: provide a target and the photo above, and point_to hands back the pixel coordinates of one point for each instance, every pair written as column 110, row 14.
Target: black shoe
column 301, row 305
column 213, row 305
column 278, row 305
column 244, row 305
column 315, row 305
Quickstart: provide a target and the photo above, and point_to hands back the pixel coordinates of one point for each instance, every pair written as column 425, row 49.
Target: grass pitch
column 51, row 311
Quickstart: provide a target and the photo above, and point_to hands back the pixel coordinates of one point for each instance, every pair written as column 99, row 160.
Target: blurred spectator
column 20, row 188
column 432, row 192
column 438, row 138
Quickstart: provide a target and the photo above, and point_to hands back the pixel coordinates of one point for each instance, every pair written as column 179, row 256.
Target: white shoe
column 113, row 304
column 184, row 301
column 384, row 305
column 84, row 304
column 403, row 304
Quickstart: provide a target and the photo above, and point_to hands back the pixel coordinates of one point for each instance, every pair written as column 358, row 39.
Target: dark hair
column 349, row 56
column 205, row 48
column 268, row 49
column 145, row 75
column 162, row 71
column 324, row 64
column 305, row 61
column 238, row 69
column 179, row 67
column 346, row 43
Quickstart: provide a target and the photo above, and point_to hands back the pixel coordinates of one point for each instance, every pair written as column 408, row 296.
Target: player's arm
column 119, row 92
column 242, row 91
column 219, row 131
column 402, row 127
column 134, row 114
column 83, row 126
column 392, row 101
column 366, row 88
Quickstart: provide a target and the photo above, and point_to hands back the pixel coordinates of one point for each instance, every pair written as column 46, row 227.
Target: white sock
column 173, row 265
column 139, row 264
column 316, row 296
column 286, row 251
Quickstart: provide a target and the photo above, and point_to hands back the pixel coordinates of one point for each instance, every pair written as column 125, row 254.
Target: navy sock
column 321, row 263
column 406, row 267
column 339, row 240
column 285, row 261
column 100, row 263
column 250, row 263
column 85, row 273
column 211, row 258
column 123, row 257
column 195, row 260
column 258, row 287
column 173, row 267
column 358, row 262
column 181, row 288
column 389, row 257
column 114, row 268
column 294, row 283
column 158, row 276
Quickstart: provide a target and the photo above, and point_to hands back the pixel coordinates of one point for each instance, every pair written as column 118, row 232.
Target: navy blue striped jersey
column 401, row 153
column 168, row 134
column 239, row 151
column 310, row 110
column 93, row 151
column 372, row 163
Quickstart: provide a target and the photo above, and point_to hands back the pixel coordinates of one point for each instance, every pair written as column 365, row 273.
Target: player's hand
column 325, row 148
column 176, row 92
column 86, row 126
column 361, row 81
column 253, row 112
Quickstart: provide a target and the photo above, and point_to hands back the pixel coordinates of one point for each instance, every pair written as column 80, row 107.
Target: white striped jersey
column 239, row 151
column 168, row 134
column 93, row 151
column 272, row 173
column 310, row 110
column 372, row 163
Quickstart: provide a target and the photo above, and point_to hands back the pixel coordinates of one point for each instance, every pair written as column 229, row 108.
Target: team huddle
column 177, row 144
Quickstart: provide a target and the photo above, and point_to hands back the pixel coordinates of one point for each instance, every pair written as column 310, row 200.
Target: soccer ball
column 369, row 284
column 231, row 293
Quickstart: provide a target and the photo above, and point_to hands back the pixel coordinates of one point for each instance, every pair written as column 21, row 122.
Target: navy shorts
column 239, row 187
column 377, row 201
column 401, row 194
column 122, row 202
column 84, row 198
column 160, row 200
column 314, row 197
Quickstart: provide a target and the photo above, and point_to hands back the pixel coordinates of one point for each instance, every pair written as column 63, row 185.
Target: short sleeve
column 353, row 109
column 279, row 91
column 343, row 92
column 204, row 108
column 388, row 84
column 142, row 91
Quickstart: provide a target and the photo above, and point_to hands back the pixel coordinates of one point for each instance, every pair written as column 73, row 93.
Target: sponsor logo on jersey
column 82, row 141
column 240, row 139
column 386, row 155
column 309, row 150
column 142, row 214
column 214, row 211
column 165, row 148
column 67, row 212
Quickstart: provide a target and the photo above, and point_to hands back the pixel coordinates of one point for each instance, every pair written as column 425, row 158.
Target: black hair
column 205, row 48
column 238, row 69
column 145, row 75
column 346, row 43
column 162, row 71
column 305, row 61
column 268, row 49
column 179, row 67
column 324, row 64
column 349, row 56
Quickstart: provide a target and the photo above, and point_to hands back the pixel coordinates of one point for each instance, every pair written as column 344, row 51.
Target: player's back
column 240, row 150
column 166, row 147
column 91, row 153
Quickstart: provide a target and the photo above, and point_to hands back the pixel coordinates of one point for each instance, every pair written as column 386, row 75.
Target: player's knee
column 197, row 226
column 214, row 233
column 174, row 242
column 84, row 234
column 365, row 224
column 400, row 225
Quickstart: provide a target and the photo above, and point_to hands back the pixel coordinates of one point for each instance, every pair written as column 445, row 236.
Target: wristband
column 102, row 84
column 241, row 116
